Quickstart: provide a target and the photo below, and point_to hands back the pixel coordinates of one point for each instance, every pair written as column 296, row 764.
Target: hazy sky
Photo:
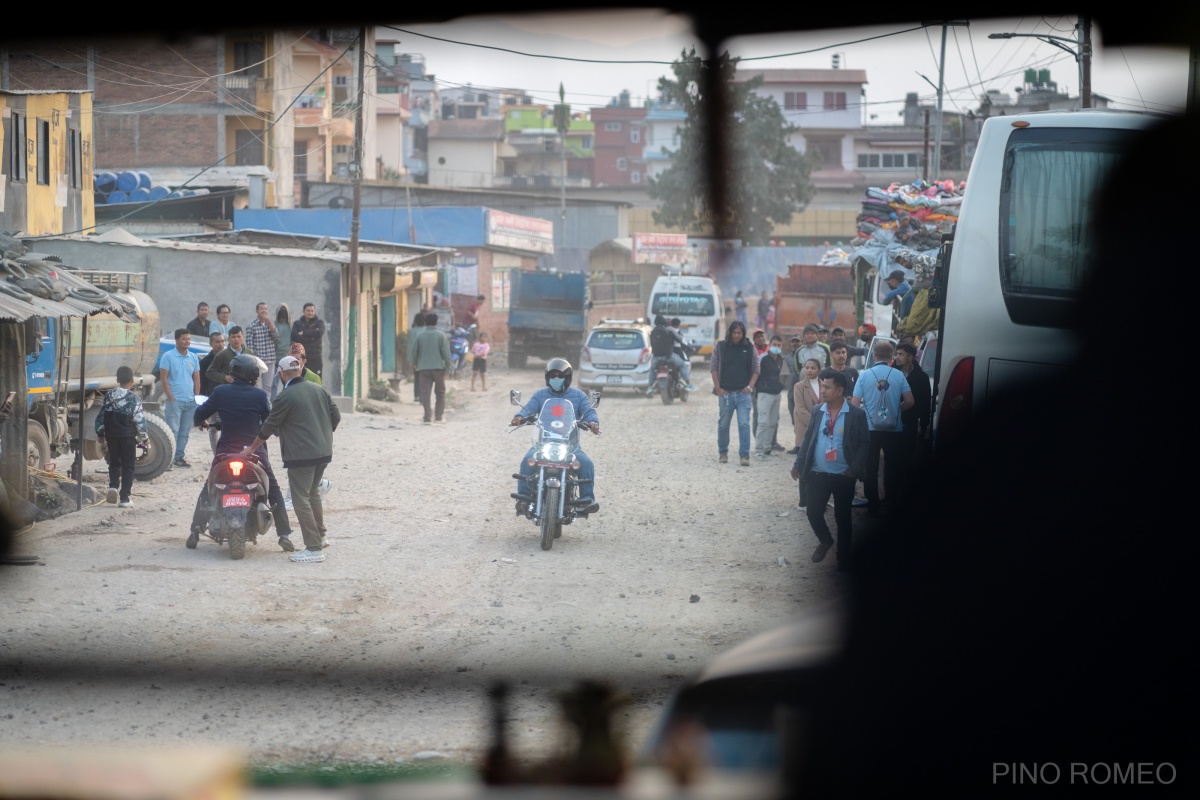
column 895, row 61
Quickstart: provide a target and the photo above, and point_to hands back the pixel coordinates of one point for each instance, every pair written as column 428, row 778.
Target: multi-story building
column 663, row 123
column 266, row 103
column 544, row 158
column 620, row 144
column 46, row 160
column 467, row 152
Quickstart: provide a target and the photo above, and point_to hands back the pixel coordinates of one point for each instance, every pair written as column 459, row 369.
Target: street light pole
column 1083, row 55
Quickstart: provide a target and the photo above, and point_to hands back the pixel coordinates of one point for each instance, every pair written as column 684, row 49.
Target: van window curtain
column 1050, row 196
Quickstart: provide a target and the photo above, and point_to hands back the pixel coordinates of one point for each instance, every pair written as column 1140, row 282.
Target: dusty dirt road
column 432, row 590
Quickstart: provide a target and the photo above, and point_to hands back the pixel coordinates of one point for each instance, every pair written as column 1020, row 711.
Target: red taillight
column 954, row 413
column 586, row 355
column 645, row 356
column 236, row 468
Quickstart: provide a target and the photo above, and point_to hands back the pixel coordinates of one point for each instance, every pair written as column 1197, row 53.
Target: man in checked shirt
column 261, row 334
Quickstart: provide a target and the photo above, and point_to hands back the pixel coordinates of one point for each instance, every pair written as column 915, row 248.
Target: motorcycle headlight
column 554, row 452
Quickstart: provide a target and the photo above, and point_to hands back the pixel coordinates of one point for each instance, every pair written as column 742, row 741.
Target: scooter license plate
column 235, row 501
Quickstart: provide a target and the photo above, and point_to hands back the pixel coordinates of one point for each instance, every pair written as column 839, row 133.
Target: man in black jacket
column 309, row 331
column 916, row 419
column 832, row 457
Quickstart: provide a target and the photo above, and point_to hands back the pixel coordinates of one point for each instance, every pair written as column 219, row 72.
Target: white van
column 696, row 300
column 1019, row 253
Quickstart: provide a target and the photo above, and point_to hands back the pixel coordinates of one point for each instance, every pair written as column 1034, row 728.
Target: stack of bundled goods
column 917, row 213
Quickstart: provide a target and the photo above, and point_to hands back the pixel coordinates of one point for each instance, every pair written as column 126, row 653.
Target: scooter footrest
column 524, row 477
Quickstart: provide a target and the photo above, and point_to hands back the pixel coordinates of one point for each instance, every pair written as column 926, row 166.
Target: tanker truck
column 53, row 376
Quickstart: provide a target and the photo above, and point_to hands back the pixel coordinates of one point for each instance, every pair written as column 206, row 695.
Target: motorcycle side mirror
column 514, row 397
column 595, row 397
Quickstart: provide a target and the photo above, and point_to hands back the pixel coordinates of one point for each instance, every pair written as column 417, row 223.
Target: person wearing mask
column 558, row 386
column 769, row 389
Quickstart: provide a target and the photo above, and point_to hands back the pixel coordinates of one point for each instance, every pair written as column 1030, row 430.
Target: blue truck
column 547, row 315
column 53, row 377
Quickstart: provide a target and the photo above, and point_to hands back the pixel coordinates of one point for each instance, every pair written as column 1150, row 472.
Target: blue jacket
column 583, row 406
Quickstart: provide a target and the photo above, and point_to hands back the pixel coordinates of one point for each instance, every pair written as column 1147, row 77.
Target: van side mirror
column 514, row 397
column 595, row 397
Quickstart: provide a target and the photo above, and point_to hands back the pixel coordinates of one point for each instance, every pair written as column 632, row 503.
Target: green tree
column 767, row 180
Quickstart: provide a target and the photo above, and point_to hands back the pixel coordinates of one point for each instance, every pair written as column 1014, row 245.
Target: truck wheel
column 38, row 445
column 160, row 448
column 517, row 360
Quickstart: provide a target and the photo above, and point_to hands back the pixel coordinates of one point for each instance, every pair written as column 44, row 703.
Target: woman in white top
column 807, row 394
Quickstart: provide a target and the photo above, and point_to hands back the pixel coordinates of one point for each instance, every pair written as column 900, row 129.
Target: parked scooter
column 554, row 486
column 238, row 510
column 460, row 343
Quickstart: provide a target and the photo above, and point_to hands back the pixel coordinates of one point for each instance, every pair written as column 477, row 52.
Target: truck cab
column 547, row 315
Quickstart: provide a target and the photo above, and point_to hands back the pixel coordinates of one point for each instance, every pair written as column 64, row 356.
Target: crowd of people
column 847, row 422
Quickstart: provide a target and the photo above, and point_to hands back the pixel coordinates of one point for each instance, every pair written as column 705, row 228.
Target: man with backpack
column 883, row 392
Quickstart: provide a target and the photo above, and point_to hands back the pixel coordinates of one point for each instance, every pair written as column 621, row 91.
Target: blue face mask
column 775, row 351
column 557, row 384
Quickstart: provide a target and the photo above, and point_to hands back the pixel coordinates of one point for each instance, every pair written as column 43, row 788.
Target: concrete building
column 467, row 152
column 620, row 143
column 274, row 100
column 47, row 148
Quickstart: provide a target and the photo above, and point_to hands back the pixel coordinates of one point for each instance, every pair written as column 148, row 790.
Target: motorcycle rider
column 665, row 342
column 558, row 387
column 684, row 352
column 243, row 408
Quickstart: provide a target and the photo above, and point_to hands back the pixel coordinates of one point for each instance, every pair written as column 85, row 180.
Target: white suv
column 616, row 353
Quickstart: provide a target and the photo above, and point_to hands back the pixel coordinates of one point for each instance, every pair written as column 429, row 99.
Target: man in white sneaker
column 305, row 417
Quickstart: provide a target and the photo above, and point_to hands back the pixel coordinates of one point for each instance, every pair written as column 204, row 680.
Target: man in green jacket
column 429, row 352
column 218, row 370
column 305, row 417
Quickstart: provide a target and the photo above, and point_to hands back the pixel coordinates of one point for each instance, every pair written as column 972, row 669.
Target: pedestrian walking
column 121, row 425
column 305, row 417
column 883, row 392
column 832, row 457
column 429, row 352
column 768, row 396
column 479, row 354
column 261, row 335
column 734, row 366
column 414, row 330
column 179, row 371
column 740, row 312
column 309, row 331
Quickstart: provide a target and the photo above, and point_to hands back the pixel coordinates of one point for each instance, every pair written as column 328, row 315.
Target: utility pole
column 925, row 160
column 1085, row 62
column 562, row 121
column 352, row 375
column 936, row 172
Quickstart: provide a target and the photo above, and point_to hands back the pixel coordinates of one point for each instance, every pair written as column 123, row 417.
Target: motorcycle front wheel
column 551, row 523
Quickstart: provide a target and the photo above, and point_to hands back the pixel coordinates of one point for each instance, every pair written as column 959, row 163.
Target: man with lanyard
column 883, row 392
column 832, row 457
column 734, row 365
column 243, row 408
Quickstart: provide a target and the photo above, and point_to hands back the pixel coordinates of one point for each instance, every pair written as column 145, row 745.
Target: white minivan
column 696, row 300
column 1010, row 274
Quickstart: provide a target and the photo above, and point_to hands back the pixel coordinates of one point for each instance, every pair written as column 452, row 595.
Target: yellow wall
column 42, row 215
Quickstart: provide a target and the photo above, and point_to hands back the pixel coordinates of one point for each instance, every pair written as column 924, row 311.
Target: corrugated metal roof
column 83, row 299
